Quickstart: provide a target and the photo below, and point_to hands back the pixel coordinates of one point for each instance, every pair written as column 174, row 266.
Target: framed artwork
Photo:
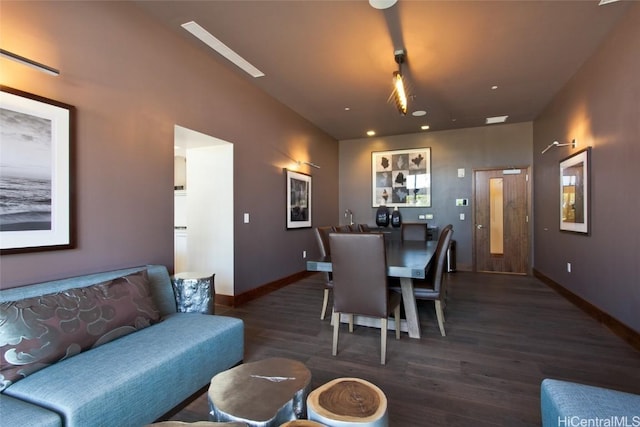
column 298, row 200
column 401, row 178
column 574, row 192
column 36, row 173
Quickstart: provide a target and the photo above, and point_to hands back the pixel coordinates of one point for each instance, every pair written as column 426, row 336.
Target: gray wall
column 474, row 148
column 131, row 81
column 600, row 107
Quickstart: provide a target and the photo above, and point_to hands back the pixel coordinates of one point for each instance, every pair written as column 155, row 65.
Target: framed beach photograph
column 574, row 192
column 298, row 199
column 36, row 173
column 401, row 178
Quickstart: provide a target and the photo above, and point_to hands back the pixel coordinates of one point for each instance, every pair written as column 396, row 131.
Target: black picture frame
column 37, row 173
column 298, row 199
column 575, row 187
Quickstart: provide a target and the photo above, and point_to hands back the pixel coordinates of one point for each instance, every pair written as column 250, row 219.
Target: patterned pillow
column 39, row 331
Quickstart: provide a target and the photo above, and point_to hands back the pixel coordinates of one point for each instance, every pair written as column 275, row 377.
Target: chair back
column 322, row 237
column 342, row 229
column 436, row 273
column 413, row 231
column 359, row 264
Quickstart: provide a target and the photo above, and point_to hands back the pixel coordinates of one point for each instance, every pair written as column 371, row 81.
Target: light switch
column 246, row 218
column 461, row 217
column 461, row 173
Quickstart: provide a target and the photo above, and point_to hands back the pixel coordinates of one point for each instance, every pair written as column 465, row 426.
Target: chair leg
column 440, row 316
column 351, row 323
column 325, row 301
column 335, row 318
column 396, row 315
column 383, row 340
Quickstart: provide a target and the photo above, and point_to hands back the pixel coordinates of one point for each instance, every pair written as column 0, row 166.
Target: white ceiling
column 320, row 57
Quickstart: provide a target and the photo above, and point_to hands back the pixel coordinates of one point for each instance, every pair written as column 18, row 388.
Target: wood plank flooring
column 505, row 334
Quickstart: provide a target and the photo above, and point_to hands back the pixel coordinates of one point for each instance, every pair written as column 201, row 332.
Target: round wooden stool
column 302, row 423
column 348, row 402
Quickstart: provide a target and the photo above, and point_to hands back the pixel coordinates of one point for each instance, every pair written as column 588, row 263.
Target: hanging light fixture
column 399, row 92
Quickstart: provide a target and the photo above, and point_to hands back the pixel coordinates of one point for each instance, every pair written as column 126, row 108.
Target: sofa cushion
column 39, row 331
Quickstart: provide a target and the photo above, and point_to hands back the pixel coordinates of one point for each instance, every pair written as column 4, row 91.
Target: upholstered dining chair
column 360, row 287
column 433, row 286
column 413, row 231
column 342, row 229
column 322, row 237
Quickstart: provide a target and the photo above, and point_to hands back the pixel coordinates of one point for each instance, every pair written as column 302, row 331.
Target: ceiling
column 321, row 58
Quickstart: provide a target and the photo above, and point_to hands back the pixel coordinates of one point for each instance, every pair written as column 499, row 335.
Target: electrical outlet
column 246, row 218
column 428, row 216
column 304, row 254
column 568, row 267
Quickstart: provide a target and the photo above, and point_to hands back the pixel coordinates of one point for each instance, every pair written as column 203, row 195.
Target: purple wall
column 131, row 81
column 600, row 107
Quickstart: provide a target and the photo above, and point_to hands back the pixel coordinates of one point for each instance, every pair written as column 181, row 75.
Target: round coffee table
column 266, row 393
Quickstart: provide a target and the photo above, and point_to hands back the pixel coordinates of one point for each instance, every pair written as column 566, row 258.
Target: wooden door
column 501, row 216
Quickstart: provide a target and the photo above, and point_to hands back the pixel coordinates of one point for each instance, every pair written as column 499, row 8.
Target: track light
column 557, row 144
column 399, row 92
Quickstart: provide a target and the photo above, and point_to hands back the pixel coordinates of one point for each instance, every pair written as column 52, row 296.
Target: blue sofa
column 131, row 380
column 565, row 403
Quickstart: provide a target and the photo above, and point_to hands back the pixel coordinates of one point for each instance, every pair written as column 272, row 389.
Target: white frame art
column 298, row 199
column 36, row 143
column 401, row 178
column 574, row 192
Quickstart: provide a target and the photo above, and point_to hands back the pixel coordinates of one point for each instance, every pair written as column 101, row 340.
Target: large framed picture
column 298, row 199
column 401, row 178
column 36, row 173
column 574, row 192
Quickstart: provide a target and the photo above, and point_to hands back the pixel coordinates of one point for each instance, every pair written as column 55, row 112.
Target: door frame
column 527, row 169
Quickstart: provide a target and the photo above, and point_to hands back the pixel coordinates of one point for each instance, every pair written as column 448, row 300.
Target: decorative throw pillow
column 39, row 331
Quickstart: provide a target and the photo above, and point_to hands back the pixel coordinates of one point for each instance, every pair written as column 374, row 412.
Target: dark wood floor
column 504, row 335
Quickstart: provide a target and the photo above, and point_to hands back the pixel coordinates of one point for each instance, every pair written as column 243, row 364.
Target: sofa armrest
column 565, row 403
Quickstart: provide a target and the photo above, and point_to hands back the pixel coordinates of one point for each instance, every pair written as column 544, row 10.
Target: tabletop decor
column 298, row 200
column 36, row 175
column 401, row 178
column 574, row 192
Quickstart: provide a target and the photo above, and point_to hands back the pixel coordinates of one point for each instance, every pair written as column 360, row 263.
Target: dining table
column 406, row 260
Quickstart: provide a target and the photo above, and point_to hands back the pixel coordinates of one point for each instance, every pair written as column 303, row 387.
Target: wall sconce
column 557, row 144
column 313, row 165
column 29, row 63
column 399, row 93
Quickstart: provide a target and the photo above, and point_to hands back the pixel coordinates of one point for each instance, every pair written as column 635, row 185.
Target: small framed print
column 298, row 200
column 574, row 192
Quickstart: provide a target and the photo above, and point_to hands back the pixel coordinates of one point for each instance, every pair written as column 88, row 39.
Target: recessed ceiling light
column 371, row 132
column 496, row 119
column 382, row 4
column 347, row 109
column 494, row 87
column 424, row 127
column 419, row 113
column 207, row 38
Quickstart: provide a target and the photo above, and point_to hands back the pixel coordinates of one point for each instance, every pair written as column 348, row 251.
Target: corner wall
column 600, row 107
column 131, row 80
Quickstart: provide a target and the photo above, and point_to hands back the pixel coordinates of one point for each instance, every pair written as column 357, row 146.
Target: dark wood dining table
column 406, row 260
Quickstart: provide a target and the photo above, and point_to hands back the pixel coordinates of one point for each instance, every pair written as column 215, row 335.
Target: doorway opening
column 203, row 203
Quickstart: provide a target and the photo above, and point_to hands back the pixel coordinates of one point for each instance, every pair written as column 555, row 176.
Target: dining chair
column 343, row 229
column 413, row 231
column 322, row 237
column 359, row 264
column 433, row 287
column 364, row 228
